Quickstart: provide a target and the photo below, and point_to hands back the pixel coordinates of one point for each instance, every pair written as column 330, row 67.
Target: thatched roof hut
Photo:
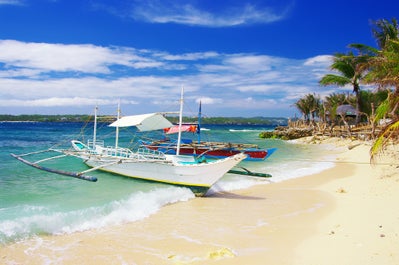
column 346, row 110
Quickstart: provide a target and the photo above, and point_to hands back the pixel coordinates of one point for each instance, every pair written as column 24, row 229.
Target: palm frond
column 388, row 133
column 364, row 49
column 382, row 110
column 331, row 79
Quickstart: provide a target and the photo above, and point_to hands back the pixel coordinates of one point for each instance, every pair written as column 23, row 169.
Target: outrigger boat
column 210, row 149
column 206, row 149
column 146, row 164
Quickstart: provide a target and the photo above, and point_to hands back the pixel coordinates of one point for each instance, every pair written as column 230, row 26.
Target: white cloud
column 189, row 56
column 208, row 100
column 19, row 72
column 319, row 60
column 17, row 55
column 220, row 81
column 59, row 102
column 245, row 62
column 11, row 2
column 257, row 88
column 137, row 87
column 191, row 13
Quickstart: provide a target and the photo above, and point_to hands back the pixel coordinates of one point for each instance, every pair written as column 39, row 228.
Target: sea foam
column 46, row 221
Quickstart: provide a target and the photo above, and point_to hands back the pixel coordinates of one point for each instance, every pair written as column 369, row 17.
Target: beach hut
column 346, row 111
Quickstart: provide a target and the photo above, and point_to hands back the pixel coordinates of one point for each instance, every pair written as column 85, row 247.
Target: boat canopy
column 144, row 122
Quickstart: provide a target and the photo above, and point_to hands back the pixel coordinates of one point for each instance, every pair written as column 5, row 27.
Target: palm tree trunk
column 346, row 125
column 395, row 100
column 356, row 89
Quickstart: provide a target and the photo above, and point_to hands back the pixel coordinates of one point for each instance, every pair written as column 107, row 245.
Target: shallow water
column 34, row 202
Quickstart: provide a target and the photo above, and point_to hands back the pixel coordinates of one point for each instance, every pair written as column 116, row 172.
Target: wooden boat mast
column 95, row 126
column 180, row 121
column 118, row 115
column 199, row 124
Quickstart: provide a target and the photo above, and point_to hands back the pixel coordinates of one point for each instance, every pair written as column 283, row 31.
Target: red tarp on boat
column 184, row 128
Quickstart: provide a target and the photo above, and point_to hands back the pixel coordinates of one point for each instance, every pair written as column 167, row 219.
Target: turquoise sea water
column 33, row 202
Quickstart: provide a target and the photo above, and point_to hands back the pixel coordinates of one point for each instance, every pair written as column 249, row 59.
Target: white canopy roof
column 144, row 122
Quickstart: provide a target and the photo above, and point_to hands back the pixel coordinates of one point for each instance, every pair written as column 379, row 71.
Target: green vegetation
column 85, row 118
column 45, row 118
column 270, row 121
column 377, row 68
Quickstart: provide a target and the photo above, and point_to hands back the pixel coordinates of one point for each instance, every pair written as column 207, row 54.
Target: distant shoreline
column 270, row 121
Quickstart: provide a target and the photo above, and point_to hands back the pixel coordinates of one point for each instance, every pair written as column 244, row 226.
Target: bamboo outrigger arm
column 56, row 171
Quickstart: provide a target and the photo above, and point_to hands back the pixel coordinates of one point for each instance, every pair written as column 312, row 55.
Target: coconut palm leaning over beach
column 382, row 66
column 384, row 71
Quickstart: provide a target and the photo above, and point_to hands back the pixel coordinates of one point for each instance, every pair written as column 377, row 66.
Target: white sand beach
column 344, row 215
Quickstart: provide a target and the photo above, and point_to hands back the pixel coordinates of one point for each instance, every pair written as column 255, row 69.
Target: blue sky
column 238, row 57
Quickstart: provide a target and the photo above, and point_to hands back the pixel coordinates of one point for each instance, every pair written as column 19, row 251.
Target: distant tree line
column 45, row 118
column 269, row 121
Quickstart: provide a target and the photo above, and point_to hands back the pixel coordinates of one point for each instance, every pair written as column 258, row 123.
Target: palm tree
column 309, row 106
column 303, row 107
column 384, row 31
column 384, row 71
column 350, row 72
column 371, row 100
column 314, row 104
column 384, row 66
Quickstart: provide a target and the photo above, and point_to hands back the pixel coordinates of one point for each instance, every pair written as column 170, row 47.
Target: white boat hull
column 199, row 177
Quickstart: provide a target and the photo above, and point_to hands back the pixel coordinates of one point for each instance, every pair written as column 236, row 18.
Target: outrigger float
column 152, row 165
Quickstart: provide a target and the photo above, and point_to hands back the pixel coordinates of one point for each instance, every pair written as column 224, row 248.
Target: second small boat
column 210, row 149
column 206, row 149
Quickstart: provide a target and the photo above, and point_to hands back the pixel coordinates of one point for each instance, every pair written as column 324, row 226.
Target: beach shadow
column 233, row 196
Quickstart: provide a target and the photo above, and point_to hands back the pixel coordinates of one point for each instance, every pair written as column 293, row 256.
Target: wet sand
column 345, row 215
